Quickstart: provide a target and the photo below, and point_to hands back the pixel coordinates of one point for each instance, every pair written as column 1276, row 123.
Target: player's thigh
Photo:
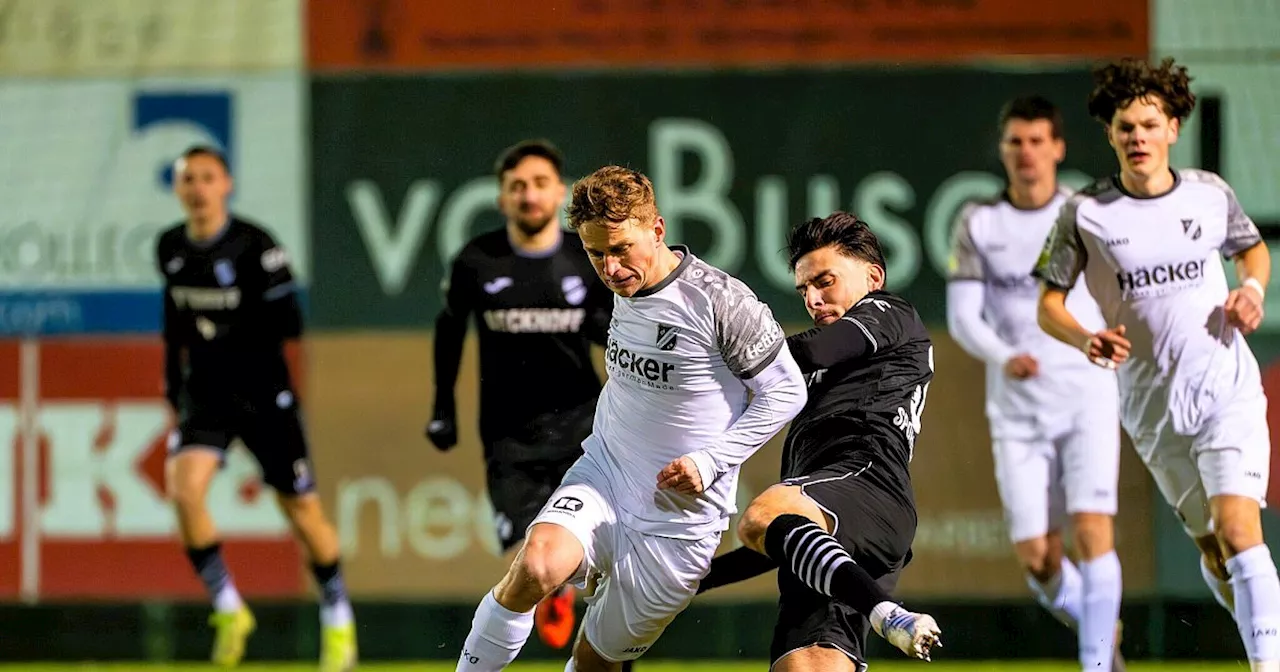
column 1026, row 479
column 1233, row 451
column 650, row 581
column 197, row 449
column 811, row 626
column 1169, row 459
column 518, row 491
column 582, row 506
column 276, row 438
column 1090, row 457
column 874, row 521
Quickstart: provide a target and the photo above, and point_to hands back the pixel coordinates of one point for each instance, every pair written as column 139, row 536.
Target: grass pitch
column 655, row 666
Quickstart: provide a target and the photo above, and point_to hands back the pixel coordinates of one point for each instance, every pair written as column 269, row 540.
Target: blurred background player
column 538, row 308
column 1055, row 426
column 229, row 307
column 843, row 519
column 1147, row 242
column 699, row 379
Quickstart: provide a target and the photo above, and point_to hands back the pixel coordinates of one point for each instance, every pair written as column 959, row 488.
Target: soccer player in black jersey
column 842, row 520
column 229, row 307
column 538, row 307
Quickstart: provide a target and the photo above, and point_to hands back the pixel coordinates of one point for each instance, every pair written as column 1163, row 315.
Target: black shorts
column 875, row 520
column 518, row 490
column 272, row 432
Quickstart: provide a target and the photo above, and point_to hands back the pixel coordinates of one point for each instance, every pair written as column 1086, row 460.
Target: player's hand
column 442, row 432
column 1244, row 309
column 682, row 476
column 1022, row 367
column 1108, row 348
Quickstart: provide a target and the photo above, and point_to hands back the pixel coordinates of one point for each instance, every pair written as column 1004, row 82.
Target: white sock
column 1221, row 589
column 1061, row 595
column 1257, row 591
column 1100, row 609
column 336, row 615
column 228, row 599
column 496, row 637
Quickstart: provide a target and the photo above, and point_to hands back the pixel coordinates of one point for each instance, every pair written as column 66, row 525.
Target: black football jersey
column 229, row 306
column 868, row 375
column 537, row 317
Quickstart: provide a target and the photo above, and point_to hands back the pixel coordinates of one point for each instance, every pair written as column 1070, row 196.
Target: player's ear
column 875, row 277
column 1175, row 127
column 659, row 229
column 1059, row 150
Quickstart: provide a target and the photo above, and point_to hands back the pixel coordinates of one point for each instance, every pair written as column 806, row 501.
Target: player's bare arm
column 1107, row 348
column 1244, row 306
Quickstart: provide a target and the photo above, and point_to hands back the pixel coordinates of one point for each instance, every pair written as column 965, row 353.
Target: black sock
column 329, row 579
column 737, row 565
column 821, row 563
column 210, row 568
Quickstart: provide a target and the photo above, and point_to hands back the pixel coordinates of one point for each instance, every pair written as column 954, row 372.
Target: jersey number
column 909, row 420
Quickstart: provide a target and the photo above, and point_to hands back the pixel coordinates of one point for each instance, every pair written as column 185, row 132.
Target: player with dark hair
column 842, row 520
column 1147, row 242
column 229, row 307
column 538, row 307
column 1055, row 425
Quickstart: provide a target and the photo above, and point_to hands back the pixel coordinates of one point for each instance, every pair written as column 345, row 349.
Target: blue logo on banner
column 210, row 112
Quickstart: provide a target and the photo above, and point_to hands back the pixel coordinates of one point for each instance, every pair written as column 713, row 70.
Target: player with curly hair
column 1147, row 242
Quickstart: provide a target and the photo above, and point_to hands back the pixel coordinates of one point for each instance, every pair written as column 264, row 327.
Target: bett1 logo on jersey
column 83, row 426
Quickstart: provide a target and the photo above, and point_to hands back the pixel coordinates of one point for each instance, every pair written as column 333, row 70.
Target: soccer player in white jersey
column 699, row 378
column 1055, row 428
column 1148, row 242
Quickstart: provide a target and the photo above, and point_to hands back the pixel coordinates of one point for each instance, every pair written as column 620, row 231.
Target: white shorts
column 642, row 581
column 1042, row 481
column 1230, row 455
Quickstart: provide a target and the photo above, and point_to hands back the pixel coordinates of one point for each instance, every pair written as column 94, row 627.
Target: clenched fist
column 682, row 476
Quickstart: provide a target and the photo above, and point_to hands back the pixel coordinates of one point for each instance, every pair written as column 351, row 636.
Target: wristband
column 1256, row 284
column 1088, row 343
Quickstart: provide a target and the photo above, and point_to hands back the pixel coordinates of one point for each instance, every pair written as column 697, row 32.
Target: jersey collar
column 686, row 258
column 1177, row 180
column 211, row 240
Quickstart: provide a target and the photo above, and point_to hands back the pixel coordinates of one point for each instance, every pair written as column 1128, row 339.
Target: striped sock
column 821, row 563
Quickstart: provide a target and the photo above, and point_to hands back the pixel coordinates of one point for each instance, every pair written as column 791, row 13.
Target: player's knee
column 549, row 559
column 1094, row 534
column 1039, row 557
column 753, row 523
column 1237, row 534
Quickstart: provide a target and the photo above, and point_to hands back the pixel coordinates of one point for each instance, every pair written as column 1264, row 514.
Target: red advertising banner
column 83, row 514
column 493, row 34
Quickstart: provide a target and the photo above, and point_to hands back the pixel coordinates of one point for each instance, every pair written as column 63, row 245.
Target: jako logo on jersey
column 638, row 368
column 1181, row 272
column 535, row 320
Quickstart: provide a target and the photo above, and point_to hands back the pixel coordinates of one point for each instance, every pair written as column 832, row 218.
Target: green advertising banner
column 402, row 167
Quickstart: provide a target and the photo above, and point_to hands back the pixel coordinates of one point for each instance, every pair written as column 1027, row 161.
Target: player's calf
column 338, row 646
column 1255, row 584
column 1100, row 592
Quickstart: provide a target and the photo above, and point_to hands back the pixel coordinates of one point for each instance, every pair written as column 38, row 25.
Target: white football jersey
column 997, row 243
column 677, row 357
column 1153, row 265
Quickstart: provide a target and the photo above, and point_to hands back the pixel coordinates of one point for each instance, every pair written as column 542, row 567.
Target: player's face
column 202, row 186
column 531, row 194
column 830, row 282
column 1029, row 151
column 1141, row 134
column 624, row 255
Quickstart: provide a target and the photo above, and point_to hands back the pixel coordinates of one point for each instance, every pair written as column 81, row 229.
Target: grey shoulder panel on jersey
column 748, row 336
column 965, row 262
column 1063, row 256
column 1242, row 233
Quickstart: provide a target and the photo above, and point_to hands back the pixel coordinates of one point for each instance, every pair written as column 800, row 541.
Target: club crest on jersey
column 575, row 290
column 667, row 337
column 224, row 272
column 1190, row 228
